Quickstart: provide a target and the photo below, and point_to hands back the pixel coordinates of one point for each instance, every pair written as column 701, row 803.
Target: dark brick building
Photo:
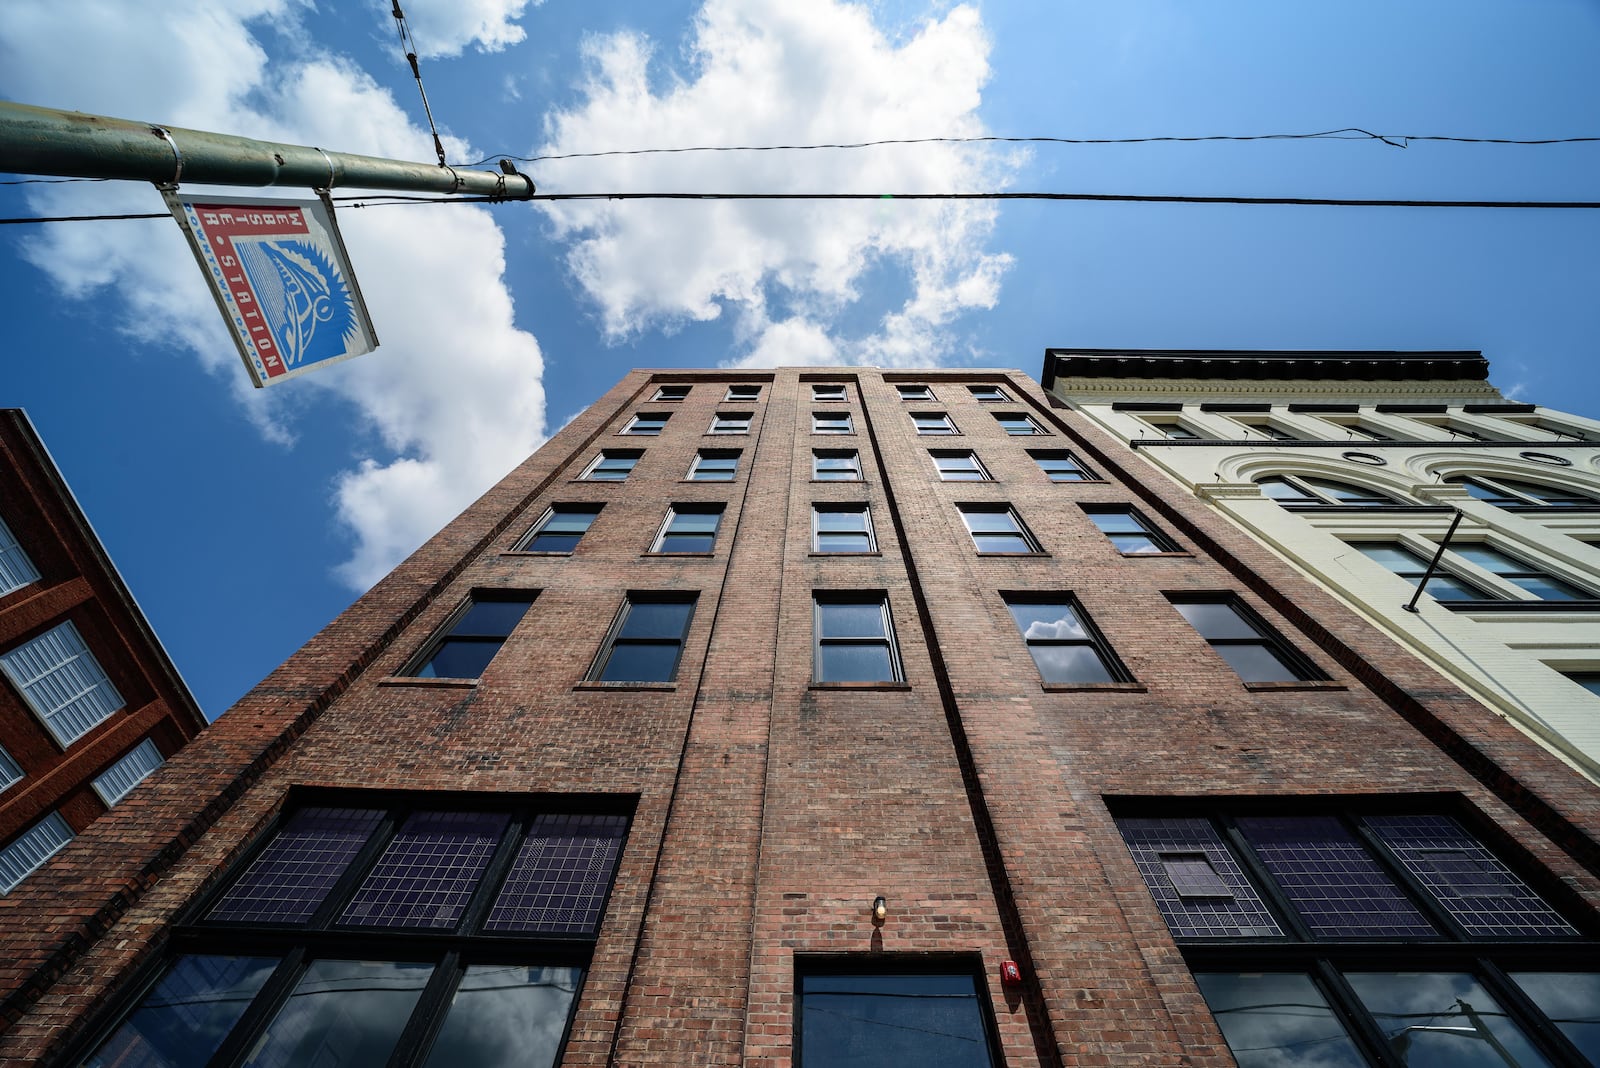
column 830, row 717
column 89, row 701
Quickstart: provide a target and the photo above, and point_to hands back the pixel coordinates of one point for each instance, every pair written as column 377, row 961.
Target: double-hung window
column 471, row 640
column 988, row 394
column 16, row 570
column 647, row 424
column 612, row 465
column 1398, row 558
column 1018, row 424
column 842, row 528
column 914, row 391
column 1297, row 492
column 854, row 639
column 714, row 465
column 1130, row 532
column 430, row 930
column 671, row 393
column 885, row 1012
column 743, row 391
column 559, row 530
column 1374, row 935
column 730, row 423
column 30, row 849
column 933, row 423
column 1514, row 493
column 835, row 465
column 827, row 391
column 1248, row 645
column 1454, row 578
column 689, row 528
column 645, row 642
column 1520, row 573
column 1065, row 644
column 996, row 528
column 959, row 465
column 832, row 423
column 1059, row 465
column 62, row 682
column 133, row 768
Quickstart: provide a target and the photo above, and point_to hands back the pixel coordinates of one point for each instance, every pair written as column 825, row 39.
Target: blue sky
column 245, row 520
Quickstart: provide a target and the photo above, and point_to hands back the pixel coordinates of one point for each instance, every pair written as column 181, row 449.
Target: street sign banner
column 280, row 274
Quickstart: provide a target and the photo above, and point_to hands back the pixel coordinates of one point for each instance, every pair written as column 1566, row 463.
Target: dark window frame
column 664, row 533
column 998, row 395
column 744, row 394
column 696, row 471
column 861, row 508
column 1094, row 638
column 1161, row 541
column 965, row 965
column 646, row 424
column 1301, row 666
column 918, row 391
column 925, row 425
column 955, row 454
column 1502, row 493
column 671, row 392
column 966, row 508
column 1039, row 456
column 837, row 424
column 613, row 638
column 819, row 640
column 721, row 422
column 525, row 544
column 853, row 454
column 589, row 473
column 1028, row 427
column 445, row 634
column 1320, row 498
column 830, row 392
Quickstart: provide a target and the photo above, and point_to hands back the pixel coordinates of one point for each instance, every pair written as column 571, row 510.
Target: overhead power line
column 409, row 45
column 383, row 200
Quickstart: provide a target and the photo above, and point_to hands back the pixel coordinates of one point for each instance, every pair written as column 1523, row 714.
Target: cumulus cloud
column 447, row 27
column 776, row 72
column 454, row 396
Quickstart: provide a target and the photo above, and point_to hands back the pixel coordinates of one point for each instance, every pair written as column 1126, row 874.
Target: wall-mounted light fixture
column 880, row 909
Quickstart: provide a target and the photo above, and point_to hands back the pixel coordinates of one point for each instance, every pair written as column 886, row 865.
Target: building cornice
column 1249, row 365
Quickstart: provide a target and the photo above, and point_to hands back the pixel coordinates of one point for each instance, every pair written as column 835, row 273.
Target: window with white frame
column 932, row 423
column 1517, row 493
column 996, row 528
column 135, row 766
column 647, row 424
column 988, row 394
column 714, row 465
column 1018, row 424
column 827, row 391
column 959, row 465
column 1308, row 491
column 689, row 528
column 1059, row 465
column 1174, row 430
column 671, row 393
column 16, row 570
column 832, row 423
column 914, row 391
column 842, row 528
column 1465, row 570
column 730, row 423
column 612, row 465
column 743, row 391
column 835, row 465
column 62, row 682
column 28, row 852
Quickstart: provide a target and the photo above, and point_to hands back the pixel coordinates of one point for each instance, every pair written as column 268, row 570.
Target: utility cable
column 409, row 43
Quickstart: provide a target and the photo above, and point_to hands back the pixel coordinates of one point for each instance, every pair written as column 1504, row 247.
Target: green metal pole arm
column 72, row 144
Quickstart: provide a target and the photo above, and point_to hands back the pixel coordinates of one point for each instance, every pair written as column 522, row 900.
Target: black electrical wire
column 409, row 45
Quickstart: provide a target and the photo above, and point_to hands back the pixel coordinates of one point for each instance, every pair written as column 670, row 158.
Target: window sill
column 859, row 686
column 1540, row 607
column 703, row 481
column 677, row 556
column 1094, row 687
column 874, row 552
column 437, row 684
column 628, row 687
column 1174, row 553
column 1020, row 556
column 726, row 434
column 1297, row 684
column 1077, row 481
column 825, row 481
column 534, row 552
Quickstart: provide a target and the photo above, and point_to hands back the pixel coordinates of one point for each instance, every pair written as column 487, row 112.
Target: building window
column 470, row 641
column 1514, row 493
column 647, row 424
column 28, row 852
column 842, row 528
column 988, row 394
column 1173, row 430
column 883, row 1015
column 645, row 642
column 10, row 771
column 714, row 465
column 1301, row 492
column 730, row 423
column 1066, row 645
column 1129, row 531
column 612, row 465
column 1589, row 680
column 689, row 528
column 671, row 393
column 62, row 682
column 1519, row 573
column 1018, row 424
column 1270, row 430
column 835, row 465
column 117, row 781
column 559, row 530
column 831, row 423
column 1244, row 641
column 827, row 391
column 1365, row 937
column 16, row 570
column 914, row 392
column 933, row 423
column 359, row 927
column 854, row 639
column 996, row 528
column 1442, row 586
column 743, row 391
column 1457, row 429
column 1059, row 465
column 959, row 465
column 1363, row 429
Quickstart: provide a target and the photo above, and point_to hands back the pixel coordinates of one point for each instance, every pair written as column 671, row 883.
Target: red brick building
column 89, row 701
column 830, row 717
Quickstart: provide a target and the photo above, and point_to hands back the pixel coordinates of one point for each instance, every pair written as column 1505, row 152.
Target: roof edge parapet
column 1335, row 364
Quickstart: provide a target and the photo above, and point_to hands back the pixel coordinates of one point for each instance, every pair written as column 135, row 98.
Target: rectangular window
column 1130, row 532
column 827, row 391
column 743, row 391
column 730, row 423
column 1449, row 581
column 492, row 910
column 1270, row 430
column 1402, row 924
column 470, row 641
column 831, row 423
column 1514, row 493
column 10, row 771
column 842, row 528
column 1519, row 573
column 1018, row 424
column 854, row 639
column 645, row 642
column 647, row 424
column 932, row 423
column 117, row 781
column 671, row 393
column 714, row 465
column 1240, row 638
column 1059, row 465
column 28, row 852
column 689, row 528
column 62, row 682
column 988, row 394
column 1066, row 645
column 1442, row 586
column 16, row 570
column 914, row 392
column 884, row 1015
column 1589, row 680
column 559, row 530
column 612, row 465
column 959, row 465
column 835, row 465
column 996, row 528
column 1173, row 430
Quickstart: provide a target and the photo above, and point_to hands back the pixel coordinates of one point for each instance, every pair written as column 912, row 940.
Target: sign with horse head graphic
column 280, row 274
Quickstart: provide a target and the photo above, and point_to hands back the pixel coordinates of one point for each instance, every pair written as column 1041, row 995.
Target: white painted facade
column 1526, row 646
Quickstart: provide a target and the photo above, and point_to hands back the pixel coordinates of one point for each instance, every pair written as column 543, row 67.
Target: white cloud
column 453, row 397
column 447, row 27
column 776, row 72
